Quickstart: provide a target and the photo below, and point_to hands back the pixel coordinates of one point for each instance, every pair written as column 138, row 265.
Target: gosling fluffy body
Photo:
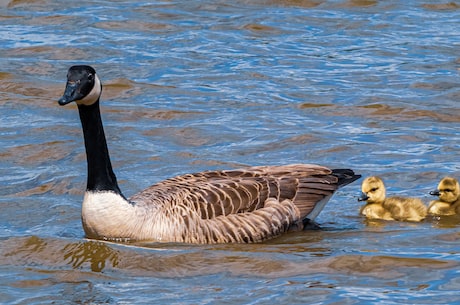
column 392, row 208
column 448, row 202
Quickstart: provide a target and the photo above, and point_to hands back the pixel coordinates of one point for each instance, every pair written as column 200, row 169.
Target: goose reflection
column 97, row 254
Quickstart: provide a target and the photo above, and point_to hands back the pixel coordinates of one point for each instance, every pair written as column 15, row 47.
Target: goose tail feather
column 345, row 176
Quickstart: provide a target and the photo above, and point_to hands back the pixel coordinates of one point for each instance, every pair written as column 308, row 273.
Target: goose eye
column 447, row 190
column 374, row 189
column 90, row 77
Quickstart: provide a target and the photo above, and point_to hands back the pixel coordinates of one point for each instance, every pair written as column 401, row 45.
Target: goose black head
column 83, row 86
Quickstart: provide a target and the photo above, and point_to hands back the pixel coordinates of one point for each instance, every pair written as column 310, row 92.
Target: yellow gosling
column 448, row 203
column 393, row 208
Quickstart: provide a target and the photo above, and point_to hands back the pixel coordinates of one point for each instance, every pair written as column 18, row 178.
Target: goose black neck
column 100, row 174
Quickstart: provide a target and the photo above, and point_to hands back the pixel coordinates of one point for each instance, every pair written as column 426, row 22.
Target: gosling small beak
column 70, row 94
column 363, row 197
column 435, row 193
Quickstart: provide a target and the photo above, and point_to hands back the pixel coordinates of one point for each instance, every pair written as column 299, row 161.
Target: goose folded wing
column 221, row 193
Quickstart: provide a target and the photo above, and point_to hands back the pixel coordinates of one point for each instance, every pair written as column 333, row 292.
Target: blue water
column 196, row 85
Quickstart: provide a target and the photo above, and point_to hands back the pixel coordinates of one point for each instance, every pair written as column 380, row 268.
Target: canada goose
column 393, row 208
column 448, row 203
column 242, row 205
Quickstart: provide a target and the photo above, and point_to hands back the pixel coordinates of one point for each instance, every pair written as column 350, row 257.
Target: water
column 195, row 85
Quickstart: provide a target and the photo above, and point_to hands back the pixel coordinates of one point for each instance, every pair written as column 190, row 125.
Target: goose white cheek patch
column 94, row 94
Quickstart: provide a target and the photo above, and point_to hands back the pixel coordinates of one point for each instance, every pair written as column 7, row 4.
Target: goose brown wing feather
column 220, row 193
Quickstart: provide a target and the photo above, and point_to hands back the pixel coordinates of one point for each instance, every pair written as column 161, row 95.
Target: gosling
column 448, row 203
column 392, row 208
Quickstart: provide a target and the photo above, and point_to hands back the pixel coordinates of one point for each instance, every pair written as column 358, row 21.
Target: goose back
column 242, row 205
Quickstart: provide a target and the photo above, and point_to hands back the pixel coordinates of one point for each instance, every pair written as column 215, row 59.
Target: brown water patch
column 132, row 25
column 299, row 3
column 36, row 154
column 51, row 20
column 190, row 263
column 18, row 3
column 294, row 141
column 257, row 75
column 23, row 92
column 442, row 117
column 151, row 115
column 47, row 20
column 192, row 137
column 32, row 283
column 56, row 277
column 125, row 88
column 59, row 187
column 69, row 53
column 361, row 3
column 186, row 136
column 451, row 237
column 40, row 68
column 313, row 105
column 24, row 89
column 255, row 27
column 120, row 88
column 336, row 149
column 49, row 52
column 216, row 163
column 410, row 138
column 381, row 265
column 442, row 6
column 382, row 112
column 440, row 86
column 195, row 160
column 5, row 75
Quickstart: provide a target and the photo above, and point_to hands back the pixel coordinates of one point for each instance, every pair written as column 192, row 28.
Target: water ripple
column 196, row 85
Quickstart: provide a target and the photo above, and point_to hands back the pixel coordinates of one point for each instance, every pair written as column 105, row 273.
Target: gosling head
column 83, row 86
column 448, row 190
column 373, row 190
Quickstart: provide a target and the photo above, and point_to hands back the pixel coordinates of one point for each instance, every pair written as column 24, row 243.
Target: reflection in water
column 32, row 244
column 445, row 222
column 377, row 223
column 162, row 269
column 92, row 252
column 385, row 266
column 35, row 251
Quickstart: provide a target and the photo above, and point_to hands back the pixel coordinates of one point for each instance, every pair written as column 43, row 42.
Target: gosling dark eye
column 447, row 191
column 374, row 189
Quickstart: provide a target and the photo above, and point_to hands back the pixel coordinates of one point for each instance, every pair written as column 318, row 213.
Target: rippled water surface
column 195, row 85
